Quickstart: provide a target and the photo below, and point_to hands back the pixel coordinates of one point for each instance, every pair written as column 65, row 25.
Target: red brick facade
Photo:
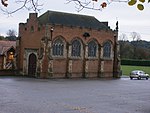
column 36, row 50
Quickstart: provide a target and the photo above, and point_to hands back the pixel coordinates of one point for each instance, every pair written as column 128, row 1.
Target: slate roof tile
column 69, row 19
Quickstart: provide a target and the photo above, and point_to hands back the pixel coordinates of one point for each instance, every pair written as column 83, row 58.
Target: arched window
column 92, row 49
column 107, row 50
column 76, row 48
column 32, row 29
column 58, row 47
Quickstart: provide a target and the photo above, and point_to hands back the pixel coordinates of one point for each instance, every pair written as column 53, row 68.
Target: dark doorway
column 32, row 65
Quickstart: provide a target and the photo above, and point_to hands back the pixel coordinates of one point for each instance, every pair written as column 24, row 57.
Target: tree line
column 11, row 35
column 138, row 49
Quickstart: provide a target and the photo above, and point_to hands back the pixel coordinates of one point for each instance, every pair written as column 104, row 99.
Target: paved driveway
column 29, row 95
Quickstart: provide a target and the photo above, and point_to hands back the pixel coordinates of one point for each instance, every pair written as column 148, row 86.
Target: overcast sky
column 130, row 18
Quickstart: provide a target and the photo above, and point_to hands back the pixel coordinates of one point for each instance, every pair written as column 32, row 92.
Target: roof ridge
column 71, row 19
column 69, row 13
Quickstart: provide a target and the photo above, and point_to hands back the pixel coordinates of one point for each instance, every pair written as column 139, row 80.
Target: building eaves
column 69, row 19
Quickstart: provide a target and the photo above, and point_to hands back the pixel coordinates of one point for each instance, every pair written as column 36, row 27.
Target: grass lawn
column 127, row 69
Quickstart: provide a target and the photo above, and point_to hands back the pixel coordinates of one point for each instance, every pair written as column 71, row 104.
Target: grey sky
column 130, row 18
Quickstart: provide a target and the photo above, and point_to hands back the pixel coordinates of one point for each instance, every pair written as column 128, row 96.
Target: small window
column 39, row 29
column 32, row 29
column 107, row 50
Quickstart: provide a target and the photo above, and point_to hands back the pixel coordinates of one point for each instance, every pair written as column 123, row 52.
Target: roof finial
column 117, row 26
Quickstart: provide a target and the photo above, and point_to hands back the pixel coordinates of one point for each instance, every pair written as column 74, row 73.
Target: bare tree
column 100, row 4
column 79, row 4
column 23, row 4
column 123, row 37
column 135, row 36
column 90, row 4
column 11, row 32
column 11, row 35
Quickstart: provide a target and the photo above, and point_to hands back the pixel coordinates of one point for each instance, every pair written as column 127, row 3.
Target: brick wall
column 1, row 62
column 31, row 39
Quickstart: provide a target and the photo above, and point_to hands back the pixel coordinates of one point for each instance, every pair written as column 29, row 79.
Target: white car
column 138, row 74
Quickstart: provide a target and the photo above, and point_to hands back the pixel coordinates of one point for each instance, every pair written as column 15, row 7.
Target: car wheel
column 131, row 78
column 146, row 78
column 139, row 78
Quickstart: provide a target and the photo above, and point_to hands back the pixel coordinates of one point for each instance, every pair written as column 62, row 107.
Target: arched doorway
column 32, row 64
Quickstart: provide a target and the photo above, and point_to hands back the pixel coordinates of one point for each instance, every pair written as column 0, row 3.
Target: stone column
column 49, row 51
column 68, row 62
column 101, row 63
column 116, row 61
column 45, row 57
column 85, row 62
column 44, row 69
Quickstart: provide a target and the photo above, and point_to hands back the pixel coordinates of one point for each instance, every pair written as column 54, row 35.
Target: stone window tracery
column 58, row 48
column 76, row 48
column 107, row 50
column 92, row 49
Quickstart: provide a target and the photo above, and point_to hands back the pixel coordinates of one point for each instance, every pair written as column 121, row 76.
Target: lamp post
column 50, row 42
column 51, row 30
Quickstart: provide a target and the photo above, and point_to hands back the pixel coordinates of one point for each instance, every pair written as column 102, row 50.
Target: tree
column 139, row 3
column 134, row 50
column 2, row 37
column 126, row 50
column 99, row 5
column 135, row 36
column 11, row 35
column 34, row 5
column 23, row 4
column 123, row 37
column 11, row 32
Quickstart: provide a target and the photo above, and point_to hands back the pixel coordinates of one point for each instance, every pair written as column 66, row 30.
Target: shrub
column 135, row 62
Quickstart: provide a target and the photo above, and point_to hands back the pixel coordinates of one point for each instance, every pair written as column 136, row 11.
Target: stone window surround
column 86, row 49
column 58, row 48
column 95, row 51
column 26, row 58
column 76, row 47
column 111, row 51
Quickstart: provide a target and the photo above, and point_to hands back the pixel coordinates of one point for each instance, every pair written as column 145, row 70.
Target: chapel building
column 64, row 45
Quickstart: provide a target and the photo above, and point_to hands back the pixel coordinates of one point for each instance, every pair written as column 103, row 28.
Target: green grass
column 127, row 69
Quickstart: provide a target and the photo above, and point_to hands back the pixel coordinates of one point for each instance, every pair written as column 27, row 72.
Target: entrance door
column 32, row 65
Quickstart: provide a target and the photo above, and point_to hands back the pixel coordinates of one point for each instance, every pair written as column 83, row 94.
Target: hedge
column 135, row 62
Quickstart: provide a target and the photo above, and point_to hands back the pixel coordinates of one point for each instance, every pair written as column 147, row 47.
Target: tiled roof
column 68, row 19
column 6, row 45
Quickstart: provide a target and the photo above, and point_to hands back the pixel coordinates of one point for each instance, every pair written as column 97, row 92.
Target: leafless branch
column 90, row 4
column 120, row 0
column 80, row 5
column 24, row 4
